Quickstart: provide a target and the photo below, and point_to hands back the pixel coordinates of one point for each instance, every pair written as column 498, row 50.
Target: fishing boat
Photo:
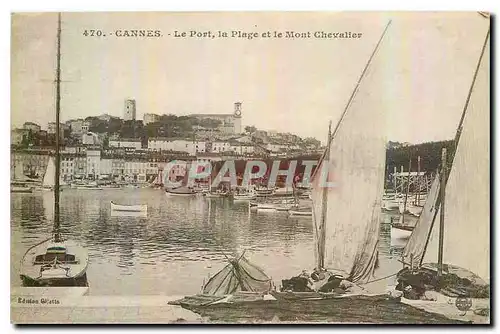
column 55, row 261
column 129, row 208
column 351, row 211
column 237, row 282
column 448, row 252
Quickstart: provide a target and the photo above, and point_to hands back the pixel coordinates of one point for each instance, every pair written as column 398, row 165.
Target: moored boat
column 180, row 191
column 244, row 197
column 129, row 208
column 307, row 212
column 450, row 258
column 351, row 212
column 55, row 261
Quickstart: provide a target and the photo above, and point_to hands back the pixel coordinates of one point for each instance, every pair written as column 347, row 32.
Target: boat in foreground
column 55, row 263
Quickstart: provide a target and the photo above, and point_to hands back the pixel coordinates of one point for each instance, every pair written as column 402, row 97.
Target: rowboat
column 180, row 191
column 20, row 189
column 129, row 208
column 301, row 212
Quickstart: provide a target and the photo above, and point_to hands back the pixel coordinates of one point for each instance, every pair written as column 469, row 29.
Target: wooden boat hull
column 354, row 309
column 242, row 198
column 300, row 213
column 400, row 233
column 80, row 281
column 169, row 193
column 129, row 208
column 21, row 190
column 65, row 274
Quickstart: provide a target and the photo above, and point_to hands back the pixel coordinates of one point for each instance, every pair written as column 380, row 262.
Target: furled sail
column 415, row 247
column 346, row 217
column 467, row 201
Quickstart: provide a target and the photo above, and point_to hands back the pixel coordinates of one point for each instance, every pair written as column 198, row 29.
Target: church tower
column 237, row 117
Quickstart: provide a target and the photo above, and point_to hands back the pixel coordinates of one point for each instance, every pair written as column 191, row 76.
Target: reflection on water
column 176, row 246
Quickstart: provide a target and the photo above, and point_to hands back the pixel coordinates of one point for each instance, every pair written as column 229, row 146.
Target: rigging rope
column 379, row 279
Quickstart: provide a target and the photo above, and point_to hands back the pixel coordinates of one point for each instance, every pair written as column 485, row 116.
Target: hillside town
column 128, row 149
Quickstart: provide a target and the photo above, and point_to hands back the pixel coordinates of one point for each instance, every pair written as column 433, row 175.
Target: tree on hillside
column 250, row 129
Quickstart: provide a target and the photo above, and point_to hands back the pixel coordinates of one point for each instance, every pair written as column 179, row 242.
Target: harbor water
column 177, row 246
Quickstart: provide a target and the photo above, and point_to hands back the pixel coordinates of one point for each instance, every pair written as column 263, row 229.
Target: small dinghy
column 129, row 208
column 307, row 212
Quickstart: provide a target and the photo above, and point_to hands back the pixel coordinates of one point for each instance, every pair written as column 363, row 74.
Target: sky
column 288, row 85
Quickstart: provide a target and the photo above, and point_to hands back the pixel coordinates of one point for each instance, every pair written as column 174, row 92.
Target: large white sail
column 50, row 174
column 414, row 250
column 467, row 201
column 348, row 238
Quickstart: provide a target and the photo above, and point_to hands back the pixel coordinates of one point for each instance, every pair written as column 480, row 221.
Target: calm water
column 181, row 242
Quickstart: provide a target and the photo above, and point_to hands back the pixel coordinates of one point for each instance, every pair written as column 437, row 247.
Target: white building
column 90, row 138
column 242, row 148
column 175, row 144
column 229, row 123
column 106, row 167
column 93, row 163
column 126, row 143
column 150, row 118
column 67, row 167
column 220, row 146
column 275, row 147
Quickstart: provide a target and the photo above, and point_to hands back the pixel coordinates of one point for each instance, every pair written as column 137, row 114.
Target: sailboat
column 184, row 189
column 20, row 183
column 346, row 216
column 55, row 261
column 449, row 249
column 48, row 182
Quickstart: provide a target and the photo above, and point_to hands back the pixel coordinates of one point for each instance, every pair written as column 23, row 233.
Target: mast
column 395, row 182
column 441, row 216
column 324, row 203
column 418, row 182
column 57, row 236
column 439, row 200
column 407, row 190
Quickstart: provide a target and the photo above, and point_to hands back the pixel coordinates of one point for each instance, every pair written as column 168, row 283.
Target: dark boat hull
column 355, row 309
column 80, row 281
